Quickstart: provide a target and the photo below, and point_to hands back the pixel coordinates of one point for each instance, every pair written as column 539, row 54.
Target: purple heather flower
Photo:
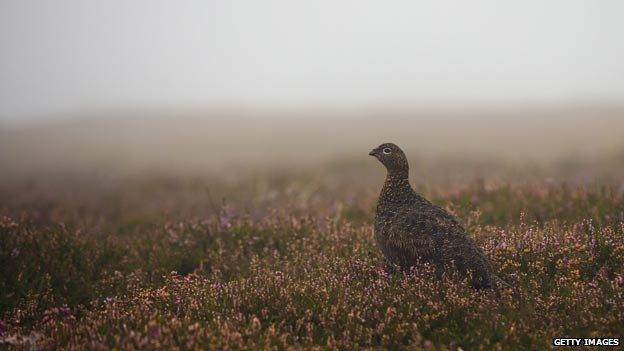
column 153, row 331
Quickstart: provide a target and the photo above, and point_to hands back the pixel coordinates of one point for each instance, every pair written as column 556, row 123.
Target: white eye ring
column 386, row 151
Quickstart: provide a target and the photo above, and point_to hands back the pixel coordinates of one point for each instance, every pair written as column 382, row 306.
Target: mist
column 88, row 56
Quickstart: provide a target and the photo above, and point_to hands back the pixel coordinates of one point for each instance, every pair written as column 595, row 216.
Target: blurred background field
column 555, row 140
column 198, row 161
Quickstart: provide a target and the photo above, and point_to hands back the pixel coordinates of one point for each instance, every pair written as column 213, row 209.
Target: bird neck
column 398, row 176
column 397, row 188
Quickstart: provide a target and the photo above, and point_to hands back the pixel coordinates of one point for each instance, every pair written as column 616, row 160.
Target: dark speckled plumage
column 409, row 229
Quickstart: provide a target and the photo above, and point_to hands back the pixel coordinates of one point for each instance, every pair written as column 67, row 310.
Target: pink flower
column 153, row 331
column 566, row 262
column 3, row 327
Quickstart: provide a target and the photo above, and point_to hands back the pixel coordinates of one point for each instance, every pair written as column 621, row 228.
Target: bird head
column 390, row 156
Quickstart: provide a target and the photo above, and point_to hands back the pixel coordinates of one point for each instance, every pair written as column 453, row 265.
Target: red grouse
column 409, row 229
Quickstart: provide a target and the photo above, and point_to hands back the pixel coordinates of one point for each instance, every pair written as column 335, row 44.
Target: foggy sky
column 63, row 56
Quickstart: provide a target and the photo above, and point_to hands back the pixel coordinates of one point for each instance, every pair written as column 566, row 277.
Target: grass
column 287, row 261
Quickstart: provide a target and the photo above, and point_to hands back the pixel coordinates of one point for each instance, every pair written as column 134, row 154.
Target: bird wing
column 431, row 234
column 433, row 222
column 451, row 243
column 420, row 234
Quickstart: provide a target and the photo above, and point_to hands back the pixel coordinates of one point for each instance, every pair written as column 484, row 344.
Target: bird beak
column 373, row 152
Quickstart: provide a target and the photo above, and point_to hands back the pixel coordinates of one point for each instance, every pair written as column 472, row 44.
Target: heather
column 285, row 259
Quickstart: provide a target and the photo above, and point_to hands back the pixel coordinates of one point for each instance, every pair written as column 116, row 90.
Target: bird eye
column 387, row 151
